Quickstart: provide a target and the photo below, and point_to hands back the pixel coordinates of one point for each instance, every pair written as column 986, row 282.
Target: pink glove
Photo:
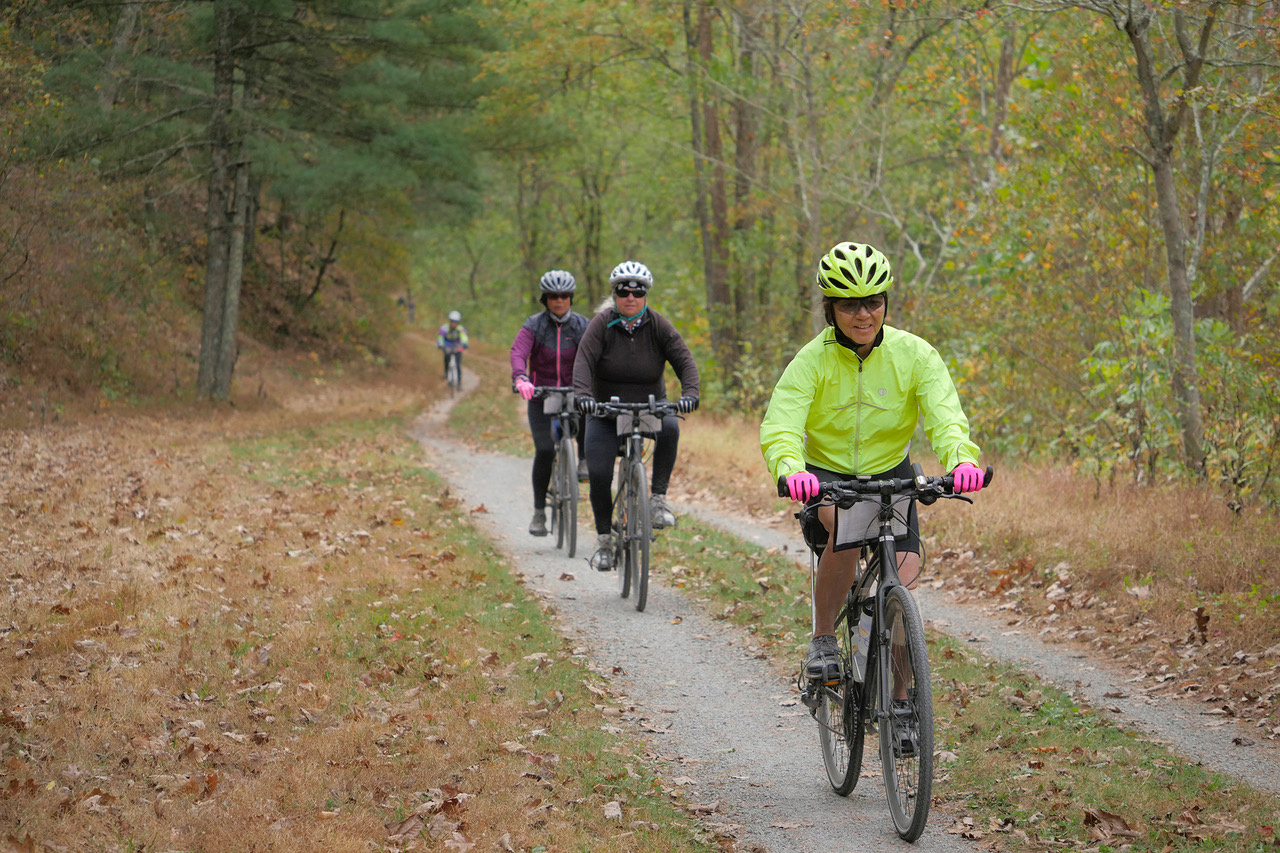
column 968, row 478
column 524, row 388
column 802, row 486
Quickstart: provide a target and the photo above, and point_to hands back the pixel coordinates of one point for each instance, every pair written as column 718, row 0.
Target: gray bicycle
column 562, row 491
column 632, row 527
column 884, row 674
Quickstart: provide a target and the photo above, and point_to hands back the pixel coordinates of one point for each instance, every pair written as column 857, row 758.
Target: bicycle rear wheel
column 639, row 532
column 906, row 736
column 555, row 523
column 622, row 508
column 839, row 714
column 567, row 472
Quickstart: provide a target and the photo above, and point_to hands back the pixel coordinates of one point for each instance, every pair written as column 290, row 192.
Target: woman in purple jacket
column 542, row 354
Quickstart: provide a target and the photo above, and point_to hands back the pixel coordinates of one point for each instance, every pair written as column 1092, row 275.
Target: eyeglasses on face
column 855, row 304
column 635, row 292
column 551, row 296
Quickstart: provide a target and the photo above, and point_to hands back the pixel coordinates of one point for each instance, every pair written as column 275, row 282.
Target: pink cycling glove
column 968, row 478
column 802, row 486
column 524, row 388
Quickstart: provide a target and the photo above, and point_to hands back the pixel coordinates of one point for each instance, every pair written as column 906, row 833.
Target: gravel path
column 729, row 726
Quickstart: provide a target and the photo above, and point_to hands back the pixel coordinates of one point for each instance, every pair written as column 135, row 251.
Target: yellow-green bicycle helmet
column 853, row 269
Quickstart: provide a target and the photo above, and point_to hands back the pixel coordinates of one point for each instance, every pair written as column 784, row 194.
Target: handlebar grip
column 987, row 476
column 783, row 491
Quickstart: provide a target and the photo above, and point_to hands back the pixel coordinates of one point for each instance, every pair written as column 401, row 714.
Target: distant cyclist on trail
column 543, row 354
column 452, row 338
column 624, row 354
column 846, row 406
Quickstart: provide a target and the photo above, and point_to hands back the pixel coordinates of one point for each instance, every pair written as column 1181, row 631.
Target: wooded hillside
column 1078, row 197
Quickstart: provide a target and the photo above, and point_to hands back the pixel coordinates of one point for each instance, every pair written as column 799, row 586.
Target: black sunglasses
column 628, row 291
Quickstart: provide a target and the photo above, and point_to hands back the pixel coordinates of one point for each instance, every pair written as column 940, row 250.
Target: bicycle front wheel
column 839, row 715
column 639, row 532
column 567, row 471
column 906, row 734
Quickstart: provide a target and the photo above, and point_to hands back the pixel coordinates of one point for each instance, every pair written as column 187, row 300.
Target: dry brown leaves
column 1190, row 657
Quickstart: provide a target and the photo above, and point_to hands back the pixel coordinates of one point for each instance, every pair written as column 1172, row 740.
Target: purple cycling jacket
column 543, row 350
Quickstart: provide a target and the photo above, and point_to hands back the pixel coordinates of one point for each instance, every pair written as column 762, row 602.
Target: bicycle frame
column 884, row 577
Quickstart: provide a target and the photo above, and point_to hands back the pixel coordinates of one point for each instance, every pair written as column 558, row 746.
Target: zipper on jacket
column 857, row 413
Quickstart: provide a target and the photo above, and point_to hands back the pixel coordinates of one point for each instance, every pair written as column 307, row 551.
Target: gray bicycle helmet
column 455, row 317
column 632, row 271
column 557, row 281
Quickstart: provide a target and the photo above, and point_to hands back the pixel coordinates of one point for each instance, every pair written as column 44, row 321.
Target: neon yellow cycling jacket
column 857, row 416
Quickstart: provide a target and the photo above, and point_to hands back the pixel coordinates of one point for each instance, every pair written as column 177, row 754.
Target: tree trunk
column 1161, row 131
column 235, row 275
column 218, row 221
column 746, row 113
column 592, row 230
column 712, row 196
column 125, row 25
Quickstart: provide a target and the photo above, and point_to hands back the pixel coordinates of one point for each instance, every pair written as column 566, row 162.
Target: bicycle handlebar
column 845, row 493
column 616, row 407
column 540, row 391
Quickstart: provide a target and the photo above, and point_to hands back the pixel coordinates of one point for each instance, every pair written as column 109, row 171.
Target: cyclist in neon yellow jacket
column 847, row 405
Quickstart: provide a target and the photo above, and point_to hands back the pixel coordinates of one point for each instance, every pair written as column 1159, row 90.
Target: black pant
column 603, row 444
column 544, row 450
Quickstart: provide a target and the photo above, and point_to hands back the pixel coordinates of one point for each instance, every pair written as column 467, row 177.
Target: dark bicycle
column 562, row 492
column 632, row 528
column 884, row 681
column 453, row 367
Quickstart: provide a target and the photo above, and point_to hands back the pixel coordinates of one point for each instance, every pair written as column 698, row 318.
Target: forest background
column 1078, row 197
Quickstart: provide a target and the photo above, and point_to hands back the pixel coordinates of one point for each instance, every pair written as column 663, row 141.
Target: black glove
column 685, row 405
column 585, row 405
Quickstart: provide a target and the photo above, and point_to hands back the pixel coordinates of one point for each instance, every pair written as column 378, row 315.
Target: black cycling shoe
column 823, row 663
column 906, row 738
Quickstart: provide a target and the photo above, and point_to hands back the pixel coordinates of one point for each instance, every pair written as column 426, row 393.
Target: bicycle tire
column 621, row 560
column 839, row 715
column 906, row 737
column 639, row 532
column 568, row 495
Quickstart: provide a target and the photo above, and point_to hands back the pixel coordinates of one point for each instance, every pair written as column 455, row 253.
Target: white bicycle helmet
column 631, row 271
column 557, row 281
column 455, row 317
